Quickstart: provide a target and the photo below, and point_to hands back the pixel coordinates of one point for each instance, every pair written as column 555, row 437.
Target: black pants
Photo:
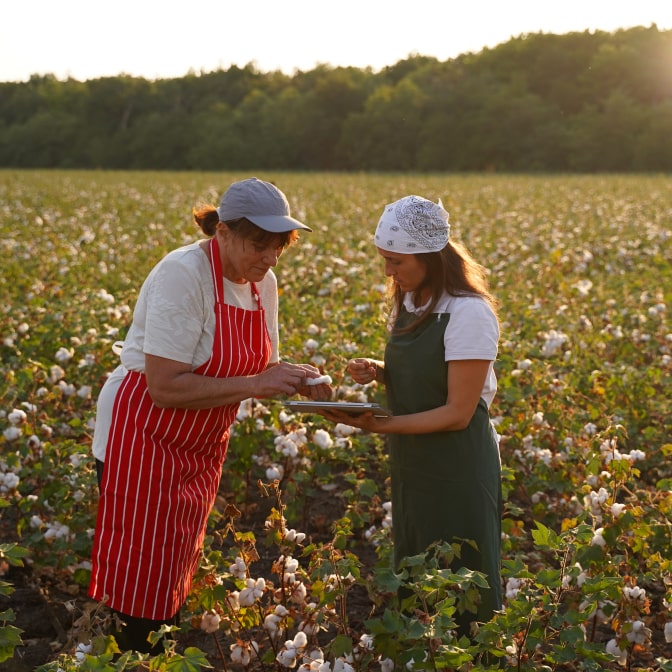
column 132, row 635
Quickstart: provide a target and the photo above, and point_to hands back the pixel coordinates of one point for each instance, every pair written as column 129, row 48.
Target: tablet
column 349, row 407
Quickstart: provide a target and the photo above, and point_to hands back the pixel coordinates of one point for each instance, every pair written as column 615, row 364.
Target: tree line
column 580, row 102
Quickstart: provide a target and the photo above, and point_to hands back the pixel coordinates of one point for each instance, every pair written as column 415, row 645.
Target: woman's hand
column 364, row 370
column 365, row 421
column 298, row 379
column 285, row 378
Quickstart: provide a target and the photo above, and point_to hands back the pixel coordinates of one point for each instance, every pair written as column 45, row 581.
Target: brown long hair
column 452, row 271
column 207, row 218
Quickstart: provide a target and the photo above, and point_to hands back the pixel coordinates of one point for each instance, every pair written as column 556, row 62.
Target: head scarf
column 413, row 225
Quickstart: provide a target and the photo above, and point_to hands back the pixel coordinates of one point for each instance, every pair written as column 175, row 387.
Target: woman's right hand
column 363, row 370
column 283, row 378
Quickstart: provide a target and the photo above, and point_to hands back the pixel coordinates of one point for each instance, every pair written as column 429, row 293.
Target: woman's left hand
column 365, row 421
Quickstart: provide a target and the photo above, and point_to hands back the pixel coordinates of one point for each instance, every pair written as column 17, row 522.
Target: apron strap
column 218, row 276
column 216, row 268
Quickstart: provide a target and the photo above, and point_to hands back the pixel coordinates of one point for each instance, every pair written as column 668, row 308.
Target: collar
column 410, row 305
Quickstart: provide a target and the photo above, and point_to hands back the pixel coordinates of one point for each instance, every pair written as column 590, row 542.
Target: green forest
column 578, row 102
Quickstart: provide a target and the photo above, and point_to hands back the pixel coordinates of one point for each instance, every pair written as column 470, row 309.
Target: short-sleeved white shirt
column 472, row 332
column 174, row 317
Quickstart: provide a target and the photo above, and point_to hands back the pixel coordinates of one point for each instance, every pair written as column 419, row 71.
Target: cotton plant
column 243, row 652
column 282, row 607
column 629, row 625
column 378, row 535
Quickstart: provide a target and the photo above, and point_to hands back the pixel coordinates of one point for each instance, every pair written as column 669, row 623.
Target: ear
column 223, row 230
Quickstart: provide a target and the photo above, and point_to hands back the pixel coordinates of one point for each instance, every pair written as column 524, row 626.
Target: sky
column 159, row 39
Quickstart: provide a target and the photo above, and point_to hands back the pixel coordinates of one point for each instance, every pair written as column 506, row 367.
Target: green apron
column 445, row 484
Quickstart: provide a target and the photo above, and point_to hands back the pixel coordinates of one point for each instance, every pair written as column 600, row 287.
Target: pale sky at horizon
column 86, row 39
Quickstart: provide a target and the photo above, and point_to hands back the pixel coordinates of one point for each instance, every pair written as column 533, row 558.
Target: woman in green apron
column 439, row 379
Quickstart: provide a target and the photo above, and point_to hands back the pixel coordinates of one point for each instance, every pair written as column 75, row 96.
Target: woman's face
column 407, row 271
column 244, row 259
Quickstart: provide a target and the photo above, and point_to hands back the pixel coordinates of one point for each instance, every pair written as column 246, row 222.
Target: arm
column 465, row 383
column 172, row 384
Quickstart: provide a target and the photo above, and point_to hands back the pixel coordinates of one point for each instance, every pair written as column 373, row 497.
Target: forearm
column 173, row 384
column 193, row 391
column 446, row 418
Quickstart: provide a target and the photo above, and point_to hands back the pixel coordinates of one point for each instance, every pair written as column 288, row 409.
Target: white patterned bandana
column 413, row 225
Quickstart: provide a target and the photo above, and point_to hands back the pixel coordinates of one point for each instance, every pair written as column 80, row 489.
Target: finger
column 307, row 370
column 322, row 392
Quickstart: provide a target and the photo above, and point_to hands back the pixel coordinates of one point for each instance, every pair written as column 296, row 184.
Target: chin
column 256, row 276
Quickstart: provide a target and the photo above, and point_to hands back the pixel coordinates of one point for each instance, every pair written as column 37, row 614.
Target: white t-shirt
column 472, row 332
column 174, row 317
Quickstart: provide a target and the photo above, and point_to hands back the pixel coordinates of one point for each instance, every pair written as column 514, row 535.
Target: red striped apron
column 162, row 471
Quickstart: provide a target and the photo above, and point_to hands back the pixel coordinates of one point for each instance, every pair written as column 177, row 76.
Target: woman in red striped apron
column 202, row 340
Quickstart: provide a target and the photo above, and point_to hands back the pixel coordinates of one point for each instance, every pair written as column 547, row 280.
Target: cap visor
column 277, row 223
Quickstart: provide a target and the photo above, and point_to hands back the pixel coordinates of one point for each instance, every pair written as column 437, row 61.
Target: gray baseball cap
column 260, row 202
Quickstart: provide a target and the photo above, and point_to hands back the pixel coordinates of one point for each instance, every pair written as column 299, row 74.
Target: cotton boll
column 293, row 536
column 342, row 430
column 320, row 380
column 275, row 472
column 639, row 633
column 84, row 392
column 287, row 656
column 285, row 417
column 67, row 390
column 16, row 416
column 238, row 568
column 64, row 355
column 81, row 651
column 272, row 623
column 613, row 648
column 12, row 433
column 8, row 482
column 386, row 665
column 210, row 621
column 300, row 640
column 668, row 632
column 322, row 439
